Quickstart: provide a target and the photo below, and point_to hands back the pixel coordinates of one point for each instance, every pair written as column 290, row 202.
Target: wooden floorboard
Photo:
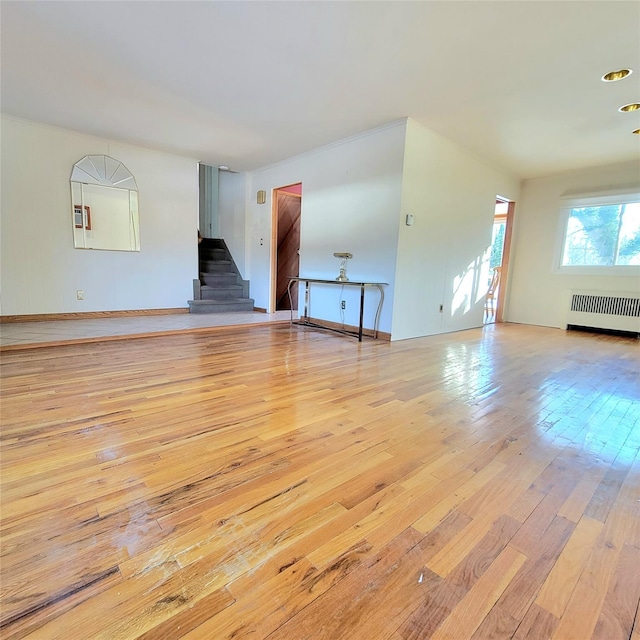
column 286, row 484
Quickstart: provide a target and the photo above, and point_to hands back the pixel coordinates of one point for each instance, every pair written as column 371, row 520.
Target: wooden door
column 287, row 235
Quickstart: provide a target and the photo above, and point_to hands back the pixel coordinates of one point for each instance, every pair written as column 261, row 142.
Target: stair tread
column 218, row 273
column 219, row 306
column 223, row 287
column 221, row 301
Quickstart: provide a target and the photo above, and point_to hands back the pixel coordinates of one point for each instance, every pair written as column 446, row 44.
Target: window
column 602, row 232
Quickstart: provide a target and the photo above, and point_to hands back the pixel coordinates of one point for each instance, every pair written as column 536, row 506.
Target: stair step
column 219, row 278
column 210, row 266
column 230, row 291
column 211, row 253
column 220, row 306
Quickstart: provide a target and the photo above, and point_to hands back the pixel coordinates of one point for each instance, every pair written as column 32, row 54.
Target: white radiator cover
column 618, row 311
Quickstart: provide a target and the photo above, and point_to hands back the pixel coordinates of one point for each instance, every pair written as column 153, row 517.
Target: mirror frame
column 104, row 171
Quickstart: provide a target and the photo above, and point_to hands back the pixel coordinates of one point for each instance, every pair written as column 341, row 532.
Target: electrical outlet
column 79, row 294
column 343, row 304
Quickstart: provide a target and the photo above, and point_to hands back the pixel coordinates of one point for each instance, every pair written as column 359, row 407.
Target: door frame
column 273, row 281
column 506, row 251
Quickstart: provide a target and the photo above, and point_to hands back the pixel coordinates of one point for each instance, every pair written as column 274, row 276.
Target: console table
column 304, row 320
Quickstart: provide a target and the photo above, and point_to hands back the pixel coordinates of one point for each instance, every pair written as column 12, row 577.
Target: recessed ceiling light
column 612, row 76
column 634, row 106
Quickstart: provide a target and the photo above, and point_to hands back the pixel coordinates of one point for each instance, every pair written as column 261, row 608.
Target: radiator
column 614, row 311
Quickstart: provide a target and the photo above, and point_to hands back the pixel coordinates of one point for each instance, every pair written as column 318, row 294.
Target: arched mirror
column 104, row 201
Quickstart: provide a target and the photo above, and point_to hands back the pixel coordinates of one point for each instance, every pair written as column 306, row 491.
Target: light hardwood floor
column 283, row 483
column 21, row 335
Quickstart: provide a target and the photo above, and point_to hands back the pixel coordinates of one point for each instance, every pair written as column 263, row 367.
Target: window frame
column 574, row 201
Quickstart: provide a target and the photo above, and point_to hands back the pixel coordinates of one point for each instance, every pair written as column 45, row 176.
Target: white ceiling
column 249, row 83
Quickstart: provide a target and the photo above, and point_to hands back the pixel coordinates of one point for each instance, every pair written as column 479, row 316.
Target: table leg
column 377, row 319
column 290, row 302
column 361, row 313
column 306, row 301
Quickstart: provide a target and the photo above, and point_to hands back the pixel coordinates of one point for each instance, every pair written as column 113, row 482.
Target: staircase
column 220, row 287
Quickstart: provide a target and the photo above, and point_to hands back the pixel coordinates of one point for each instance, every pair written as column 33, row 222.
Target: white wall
column 538, row 293
column 350, row 202
column 231, row 215
column 41, row 270
column 443, row 256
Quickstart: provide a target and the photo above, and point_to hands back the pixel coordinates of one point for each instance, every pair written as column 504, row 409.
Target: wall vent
column 613, row 305
column 611, row 311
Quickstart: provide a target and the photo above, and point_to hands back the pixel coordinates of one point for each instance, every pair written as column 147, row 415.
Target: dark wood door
column 288, row 248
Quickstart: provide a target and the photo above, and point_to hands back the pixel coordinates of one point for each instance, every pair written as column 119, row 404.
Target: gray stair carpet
column 220, row 287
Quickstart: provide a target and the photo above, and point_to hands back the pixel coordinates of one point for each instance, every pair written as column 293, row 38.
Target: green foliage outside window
column 498, row 246
column 604, row 235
